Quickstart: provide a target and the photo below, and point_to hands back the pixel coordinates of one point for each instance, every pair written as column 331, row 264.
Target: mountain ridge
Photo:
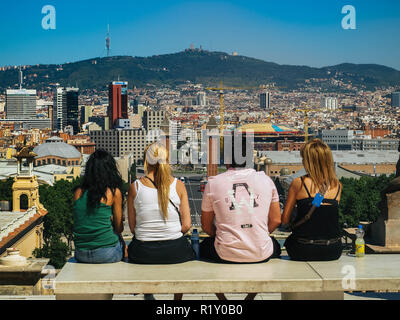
column 199, row 66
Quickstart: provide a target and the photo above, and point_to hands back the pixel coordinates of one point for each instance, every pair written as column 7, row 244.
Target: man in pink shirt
column 240, row 209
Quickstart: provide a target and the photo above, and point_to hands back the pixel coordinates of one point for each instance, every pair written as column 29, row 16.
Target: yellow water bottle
column 360, row 243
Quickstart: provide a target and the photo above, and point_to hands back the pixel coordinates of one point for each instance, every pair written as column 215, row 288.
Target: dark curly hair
column 101, row 173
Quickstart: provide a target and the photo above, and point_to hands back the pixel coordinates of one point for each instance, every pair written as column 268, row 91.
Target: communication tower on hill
column 108, row 41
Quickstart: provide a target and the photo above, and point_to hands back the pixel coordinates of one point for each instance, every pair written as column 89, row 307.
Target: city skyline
column 312, row 31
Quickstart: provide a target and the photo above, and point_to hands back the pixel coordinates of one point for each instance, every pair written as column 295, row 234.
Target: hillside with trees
column 197, row 66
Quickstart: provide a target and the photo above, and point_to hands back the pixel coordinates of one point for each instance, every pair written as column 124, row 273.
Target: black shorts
column 160, row 252
column 311, row 252
column 208, row 252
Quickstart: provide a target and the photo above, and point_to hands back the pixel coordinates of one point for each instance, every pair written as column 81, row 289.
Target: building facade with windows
column 341, row 139
column 152, row 120
column 120, row 143
column 265, row 100
column 118, row 102
column 65, row 109
column 396, row 99
column 20, row 104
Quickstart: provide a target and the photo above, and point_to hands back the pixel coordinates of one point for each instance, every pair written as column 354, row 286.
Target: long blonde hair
column 318, row 162
column 156, row 159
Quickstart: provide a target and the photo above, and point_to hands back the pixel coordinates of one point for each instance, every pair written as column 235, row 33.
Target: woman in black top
column 316, row 239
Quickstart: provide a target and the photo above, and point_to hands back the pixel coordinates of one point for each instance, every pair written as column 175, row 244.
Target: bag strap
column 176, row 208
column 307, row 216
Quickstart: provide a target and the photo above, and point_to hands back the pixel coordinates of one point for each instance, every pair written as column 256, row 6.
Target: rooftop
column 10, row 221
column 57, row 149
column 268, row 128
column 353, row 157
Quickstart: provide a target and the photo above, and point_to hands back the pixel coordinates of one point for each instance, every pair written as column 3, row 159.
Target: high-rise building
column 72, row 108
column 396, row 99
column 20, row 104
column 118, row 101
column 201, row 99
column 59, row 109
column 265, row 101
column 65, row 108
column 329, row 103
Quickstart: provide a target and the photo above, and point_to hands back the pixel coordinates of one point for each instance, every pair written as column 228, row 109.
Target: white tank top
column 150, row 223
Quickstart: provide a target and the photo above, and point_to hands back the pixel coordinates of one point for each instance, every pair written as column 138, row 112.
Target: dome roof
column 57, row 149
column 268, row 128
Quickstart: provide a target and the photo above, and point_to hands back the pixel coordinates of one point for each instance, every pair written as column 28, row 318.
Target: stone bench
column 293, row 279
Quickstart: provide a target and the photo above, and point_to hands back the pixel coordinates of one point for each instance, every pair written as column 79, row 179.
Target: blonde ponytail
column 157, row 160
column 162, row 179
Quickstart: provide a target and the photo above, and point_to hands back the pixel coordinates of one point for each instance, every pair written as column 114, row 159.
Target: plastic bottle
column 360, row 243
column 195, row 239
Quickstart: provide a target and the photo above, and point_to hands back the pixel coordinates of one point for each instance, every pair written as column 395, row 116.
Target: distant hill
column 199, row 67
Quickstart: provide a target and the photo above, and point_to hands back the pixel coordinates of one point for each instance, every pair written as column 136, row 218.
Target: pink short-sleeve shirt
column 240, row 200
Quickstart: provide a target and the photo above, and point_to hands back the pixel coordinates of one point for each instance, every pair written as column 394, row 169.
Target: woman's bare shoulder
column 296, row 183
column 78, row 193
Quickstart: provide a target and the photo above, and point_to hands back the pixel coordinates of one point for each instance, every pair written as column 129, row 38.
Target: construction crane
column 306, row 111
column 221, row 91
column 270, row 116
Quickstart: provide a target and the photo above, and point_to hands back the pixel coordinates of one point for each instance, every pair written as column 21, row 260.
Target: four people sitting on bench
column 240, row 209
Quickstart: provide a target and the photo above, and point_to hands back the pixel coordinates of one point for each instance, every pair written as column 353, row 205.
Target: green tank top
column 93, row 228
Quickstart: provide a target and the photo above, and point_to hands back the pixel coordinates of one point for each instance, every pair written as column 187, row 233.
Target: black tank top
column 324, row 222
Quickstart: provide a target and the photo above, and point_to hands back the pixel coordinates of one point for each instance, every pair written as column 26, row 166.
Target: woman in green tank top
column 98, row 212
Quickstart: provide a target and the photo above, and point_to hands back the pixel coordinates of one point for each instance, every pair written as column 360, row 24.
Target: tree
column 58, row 223
column 360, row 199
column 6, row 190
column 56, row 250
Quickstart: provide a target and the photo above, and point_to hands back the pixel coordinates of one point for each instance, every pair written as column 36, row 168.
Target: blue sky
column 297, row 32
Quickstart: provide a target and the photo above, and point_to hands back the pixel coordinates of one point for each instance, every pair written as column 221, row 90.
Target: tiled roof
column 11, row 223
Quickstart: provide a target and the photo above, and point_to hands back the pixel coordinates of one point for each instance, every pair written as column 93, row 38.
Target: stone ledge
column 372, row 273
column 24, row 275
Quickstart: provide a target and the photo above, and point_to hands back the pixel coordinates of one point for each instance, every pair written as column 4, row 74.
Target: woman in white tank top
column 150, row 223
column 156, row 224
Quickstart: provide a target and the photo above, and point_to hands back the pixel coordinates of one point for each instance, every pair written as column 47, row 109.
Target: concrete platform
column 371, row 273
column 192, row 277
column 200, row 297
column 292, row 279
